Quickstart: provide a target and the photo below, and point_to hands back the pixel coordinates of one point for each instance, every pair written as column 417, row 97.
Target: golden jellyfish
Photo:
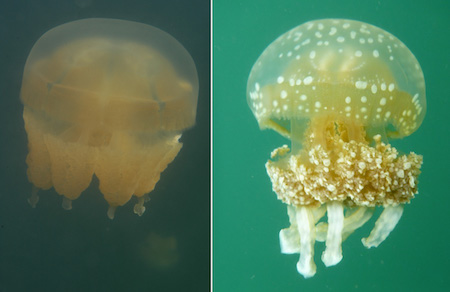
column 338, row 89
column 106, row 97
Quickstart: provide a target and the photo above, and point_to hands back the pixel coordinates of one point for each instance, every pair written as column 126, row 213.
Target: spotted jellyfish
column 338, row 89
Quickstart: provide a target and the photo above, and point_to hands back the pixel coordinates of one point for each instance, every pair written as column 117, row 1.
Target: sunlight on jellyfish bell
column 106, row 97
column 338, row 89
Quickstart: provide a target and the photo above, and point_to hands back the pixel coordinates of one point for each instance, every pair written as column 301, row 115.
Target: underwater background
column 51, row 249
column 247, row 217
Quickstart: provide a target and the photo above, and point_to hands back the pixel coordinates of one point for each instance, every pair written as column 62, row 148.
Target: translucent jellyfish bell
column 338, row 89
column 346, row 67
column 106, row 97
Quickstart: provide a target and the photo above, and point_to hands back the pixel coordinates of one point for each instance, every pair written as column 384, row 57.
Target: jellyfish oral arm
column 354, row 218
column 384, row 225
column 333, row 253
column 289, row 237
column 306, row 230
column 139, row 208
column 34, row 198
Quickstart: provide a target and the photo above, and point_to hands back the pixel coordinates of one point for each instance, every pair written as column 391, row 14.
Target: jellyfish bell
column 106, row 97
column 338, row 89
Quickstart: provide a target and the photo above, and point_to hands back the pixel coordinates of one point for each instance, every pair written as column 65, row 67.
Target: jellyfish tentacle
column 67, row 203
column 333, row 252
column 34, row 199
column 356, row 220
column 290, row 240
column 289, row 237
column 358, row 217
column 384, row 225
column 306, row 230
column 321, row 231
column 139, row 208
column 111, row 212
column 319, row 213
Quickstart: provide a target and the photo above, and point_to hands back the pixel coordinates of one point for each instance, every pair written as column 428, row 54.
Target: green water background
column 50, row 249
column 246, row 215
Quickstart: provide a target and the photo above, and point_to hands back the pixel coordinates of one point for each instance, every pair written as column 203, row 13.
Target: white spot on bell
column 333, row 30
column 361, row 84
column 391, row 87
column 308, row 80
column 374, row 89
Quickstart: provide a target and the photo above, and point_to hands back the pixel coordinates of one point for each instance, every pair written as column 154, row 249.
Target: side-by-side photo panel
column 105, row 145
column 327, row 155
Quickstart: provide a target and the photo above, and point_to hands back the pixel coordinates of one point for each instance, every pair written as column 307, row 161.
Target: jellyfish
column 338, row 89
column 106, row 97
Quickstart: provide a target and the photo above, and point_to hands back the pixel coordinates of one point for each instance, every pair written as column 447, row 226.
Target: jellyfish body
column 339, row 89
column 106, row 97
